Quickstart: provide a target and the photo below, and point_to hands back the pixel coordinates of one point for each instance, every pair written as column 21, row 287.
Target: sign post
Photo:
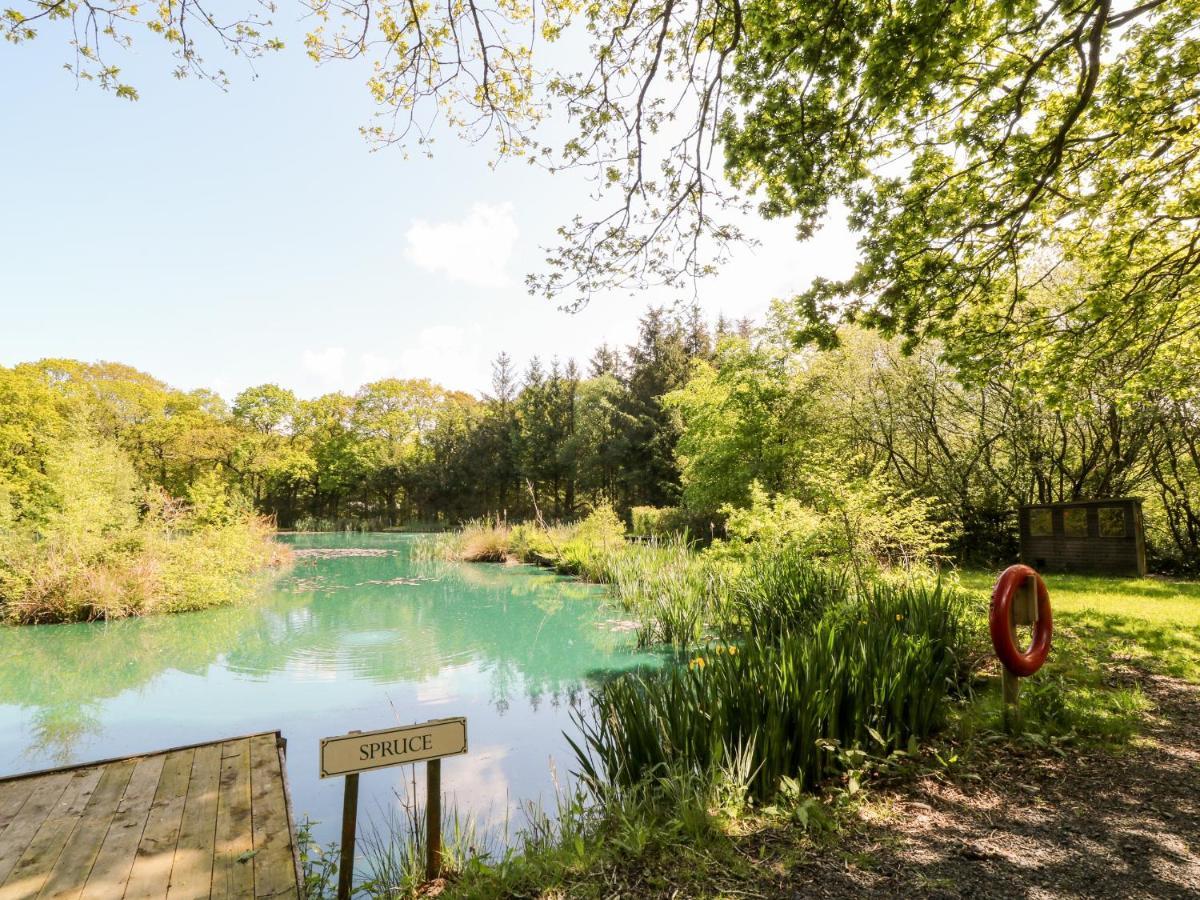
column 359, row 751
column 349, row 818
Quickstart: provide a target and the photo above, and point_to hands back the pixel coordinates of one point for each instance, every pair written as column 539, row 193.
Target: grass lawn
column 1154, row 621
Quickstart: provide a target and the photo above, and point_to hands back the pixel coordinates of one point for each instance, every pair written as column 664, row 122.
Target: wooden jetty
column 204, row 821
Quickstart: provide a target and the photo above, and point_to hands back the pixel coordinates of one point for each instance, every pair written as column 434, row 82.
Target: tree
column 596, row 441
column 267, row 409
column 981, row 146
column 32, row 424
column 171, row 436
column 499, row 439
column 657, row 364
column 270, row 459
column 746, row 419
column 389, row 419
column 325, row 424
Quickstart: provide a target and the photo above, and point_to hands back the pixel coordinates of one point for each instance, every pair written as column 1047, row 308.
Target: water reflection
column 344, row 641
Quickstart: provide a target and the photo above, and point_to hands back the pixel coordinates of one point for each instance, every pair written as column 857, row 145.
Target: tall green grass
column 780, row 592
column 874, row 672
column 674, row 594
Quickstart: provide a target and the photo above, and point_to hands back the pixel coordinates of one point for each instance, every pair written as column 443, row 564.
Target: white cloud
column 475, row 249
column 374, row 366
column 328, row 364
column 445, row 354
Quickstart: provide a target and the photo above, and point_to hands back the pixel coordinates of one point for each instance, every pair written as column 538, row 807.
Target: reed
column 873, row 672
column 780, row 592
column 674, row 593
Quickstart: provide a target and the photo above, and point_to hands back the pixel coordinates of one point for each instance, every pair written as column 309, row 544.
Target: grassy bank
column 799, row 693
column 794, row 679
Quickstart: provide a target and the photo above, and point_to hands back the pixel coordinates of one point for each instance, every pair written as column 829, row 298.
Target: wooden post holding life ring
column 1020, row 598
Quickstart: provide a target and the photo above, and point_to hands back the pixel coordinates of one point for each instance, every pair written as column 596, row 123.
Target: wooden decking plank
column 151, row 873
column 33, row 868
column 29, row 818
column 110, row 874
column 203, row 821
column 75, row 863
column 191, row 874
column 274, row 870
column 233, row 871
column 13, row 795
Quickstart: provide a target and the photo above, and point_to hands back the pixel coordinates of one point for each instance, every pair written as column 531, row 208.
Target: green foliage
column 84, row 532
column 32, row 421
column 657, row 521
column 745, row 418
column 163, row 562
column 862, row 522
column 773, row 523
column 318, row 865
column 586, row 548
column 673, row 594
column 873, row 673
column 780, row 591
column 212, row 504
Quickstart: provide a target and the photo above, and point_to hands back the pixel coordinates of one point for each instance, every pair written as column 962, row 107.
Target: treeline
column 896, row 453
column 552, row 438
column 858, row 450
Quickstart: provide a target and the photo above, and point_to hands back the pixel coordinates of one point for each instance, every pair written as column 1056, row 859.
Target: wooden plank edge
column 281, row 745
column 4, row 779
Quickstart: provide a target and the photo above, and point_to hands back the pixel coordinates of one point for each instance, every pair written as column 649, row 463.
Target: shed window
column 1041, row 524
column 1075, row 522
column 1112, row 521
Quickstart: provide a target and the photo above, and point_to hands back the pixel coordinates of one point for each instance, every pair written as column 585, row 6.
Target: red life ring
column 1000, row 622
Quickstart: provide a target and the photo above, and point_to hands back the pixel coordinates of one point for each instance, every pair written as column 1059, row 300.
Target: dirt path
column 1090, row 825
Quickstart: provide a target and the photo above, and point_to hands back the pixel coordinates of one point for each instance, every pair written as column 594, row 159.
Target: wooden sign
column 358, row 751
column 363, row 751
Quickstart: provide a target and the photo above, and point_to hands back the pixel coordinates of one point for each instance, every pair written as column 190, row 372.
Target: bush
column 863, row 523
column 657, row 521
column 106, row 548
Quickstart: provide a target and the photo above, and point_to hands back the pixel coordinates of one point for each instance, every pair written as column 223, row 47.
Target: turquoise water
column 357, row 636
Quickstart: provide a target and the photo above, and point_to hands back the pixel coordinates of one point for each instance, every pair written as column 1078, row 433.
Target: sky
column 223, row 239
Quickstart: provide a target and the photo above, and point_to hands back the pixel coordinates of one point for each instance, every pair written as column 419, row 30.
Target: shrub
column 107, row 548
column 863, row 523
column 657, row 521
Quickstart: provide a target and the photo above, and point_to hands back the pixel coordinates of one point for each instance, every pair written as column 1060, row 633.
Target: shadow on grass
column 1162, row 647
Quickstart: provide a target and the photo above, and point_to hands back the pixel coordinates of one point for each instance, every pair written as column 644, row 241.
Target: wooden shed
column 1088, row 536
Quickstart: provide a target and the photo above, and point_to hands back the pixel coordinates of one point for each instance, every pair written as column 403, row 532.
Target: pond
column 359, row 635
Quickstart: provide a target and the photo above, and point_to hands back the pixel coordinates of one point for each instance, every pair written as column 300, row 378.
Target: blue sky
column 224, row 239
